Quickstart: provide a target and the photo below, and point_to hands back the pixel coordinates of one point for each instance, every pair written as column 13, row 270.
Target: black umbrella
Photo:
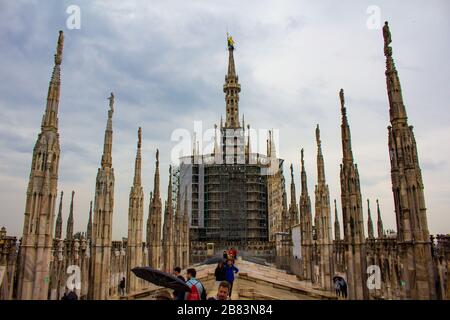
column 161, row 278
column 213, row 260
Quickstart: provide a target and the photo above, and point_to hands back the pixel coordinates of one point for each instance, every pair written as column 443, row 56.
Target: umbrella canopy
column 161, row 278
column 342, row 282
column 213, row 260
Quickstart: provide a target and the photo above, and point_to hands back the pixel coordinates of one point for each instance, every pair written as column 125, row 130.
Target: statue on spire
column 59, row 48
column 139, row 137
column 111, row 102
column 318, row 135
column 230, row 41
column 387, row 40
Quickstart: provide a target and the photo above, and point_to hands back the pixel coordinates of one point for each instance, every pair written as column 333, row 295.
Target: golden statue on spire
column 230, row 41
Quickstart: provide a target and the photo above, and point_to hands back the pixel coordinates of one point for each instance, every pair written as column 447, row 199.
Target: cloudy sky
column 165, row 61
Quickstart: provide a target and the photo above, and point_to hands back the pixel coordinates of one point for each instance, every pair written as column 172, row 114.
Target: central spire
column 231, row 88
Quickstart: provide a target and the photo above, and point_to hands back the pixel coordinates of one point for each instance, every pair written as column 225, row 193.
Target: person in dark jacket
column 69, row 295
column 219, row 273
column 178, row 295
column 122, row 287
column 230, row 270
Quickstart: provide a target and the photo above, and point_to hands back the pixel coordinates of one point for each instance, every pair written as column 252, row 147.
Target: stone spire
column 320, row 162
column 168, row 235
column 107, row 146
column 397, row 109
column 407, row 185
column 379, row 222
column 58, row 228
column 50, row 118
column 69, row 231
column 337, row 227
column 100, row 272
column 156, row 193
column 148, row 230
column 322, row 221
column 231, row 88
column 135, row 223
column 89, row 225
column 306, row 224
column 137, row 166
column 352, row 213
column 293, row 209
column 155, row 216
column 369, row 222
column 39, row 215
column 345, row 130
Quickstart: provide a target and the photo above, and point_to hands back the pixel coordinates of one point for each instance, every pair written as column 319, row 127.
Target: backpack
column 194, row 295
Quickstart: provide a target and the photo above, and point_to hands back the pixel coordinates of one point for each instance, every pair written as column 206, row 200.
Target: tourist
column 222, row 291
column 122, row 286
column 198, row 291
column 230, row 270
column 219, row 273
column 69, row 295
column 177, row 273
column 225, row 255
column 234, row 253
column 337, row 287
column 343, row 287
column 65, row 295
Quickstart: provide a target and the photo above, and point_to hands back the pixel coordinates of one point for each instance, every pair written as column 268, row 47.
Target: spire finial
column 111, row 102
column 341, row 97
column 387, row 39
column 137, row 166
column 59, row 48
column 318, row 135
column 139, row 137
column 107, row 146
column 302, row 157
column 50, row 117
column 230, row 42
